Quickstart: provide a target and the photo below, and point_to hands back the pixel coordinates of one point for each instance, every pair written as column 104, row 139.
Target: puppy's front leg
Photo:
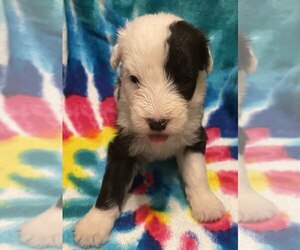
column 205, row 206
column 94, row 228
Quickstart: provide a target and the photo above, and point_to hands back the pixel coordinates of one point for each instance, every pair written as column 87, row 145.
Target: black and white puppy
column 164, row 61
column 252, row 206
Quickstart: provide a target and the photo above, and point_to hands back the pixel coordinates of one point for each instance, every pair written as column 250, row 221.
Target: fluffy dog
column 252, row 206
column 164, row 61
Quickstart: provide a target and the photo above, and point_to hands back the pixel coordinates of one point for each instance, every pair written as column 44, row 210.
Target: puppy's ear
column 186, row 41
column 115, row 58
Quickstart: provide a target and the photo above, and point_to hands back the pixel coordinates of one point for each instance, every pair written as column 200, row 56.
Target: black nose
column 157, row 125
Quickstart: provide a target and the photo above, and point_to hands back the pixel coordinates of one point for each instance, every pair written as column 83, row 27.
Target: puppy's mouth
column 158, row 139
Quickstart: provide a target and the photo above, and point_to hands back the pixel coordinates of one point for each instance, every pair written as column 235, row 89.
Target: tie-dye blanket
column 156, row 214
column 30, row 120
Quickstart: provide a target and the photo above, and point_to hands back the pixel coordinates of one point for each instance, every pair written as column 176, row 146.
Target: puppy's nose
column 157, row 125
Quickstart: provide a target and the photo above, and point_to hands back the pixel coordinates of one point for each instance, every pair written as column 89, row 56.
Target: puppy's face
column 161, row 60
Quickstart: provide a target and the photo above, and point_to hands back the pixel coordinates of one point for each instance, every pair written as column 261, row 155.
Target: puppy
column 164, row 61
column 252, row 206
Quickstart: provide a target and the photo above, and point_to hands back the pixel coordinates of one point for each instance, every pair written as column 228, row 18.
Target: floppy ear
column 115, row 58
column 209, row 67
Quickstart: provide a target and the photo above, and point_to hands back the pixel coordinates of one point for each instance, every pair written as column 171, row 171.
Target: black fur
column 200, row 145
column 187, row 55
column 119, row 173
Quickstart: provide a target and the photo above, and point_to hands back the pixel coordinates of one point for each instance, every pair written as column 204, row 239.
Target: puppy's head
column 163, row 63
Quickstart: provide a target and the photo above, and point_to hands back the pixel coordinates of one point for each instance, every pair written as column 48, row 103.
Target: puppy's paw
column 94, row 228
column 206, row 207
column 45, row 230
column 253, row 207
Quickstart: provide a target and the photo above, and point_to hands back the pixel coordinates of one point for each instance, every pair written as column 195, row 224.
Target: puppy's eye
column 134, row 79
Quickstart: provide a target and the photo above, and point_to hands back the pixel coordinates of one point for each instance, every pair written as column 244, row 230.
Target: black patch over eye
column 134, row 79
column 187, row 79
column 187, row 55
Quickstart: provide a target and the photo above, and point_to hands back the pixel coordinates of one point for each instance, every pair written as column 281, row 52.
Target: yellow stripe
column 75, row 143
column 10, row 157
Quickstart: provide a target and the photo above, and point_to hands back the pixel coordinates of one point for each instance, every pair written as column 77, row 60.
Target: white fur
column 205, row 206
column 45, row 230
column 94, row 228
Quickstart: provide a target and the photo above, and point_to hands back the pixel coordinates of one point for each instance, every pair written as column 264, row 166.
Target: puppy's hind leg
column 205, row 206
column 94, row 228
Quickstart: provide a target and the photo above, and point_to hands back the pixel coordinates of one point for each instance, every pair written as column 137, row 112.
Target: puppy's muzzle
column 157, row 125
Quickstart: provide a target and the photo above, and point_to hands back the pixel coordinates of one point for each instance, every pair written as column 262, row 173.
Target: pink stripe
column 66, row 132
column 279, row 222
column 229, row 182
column 108, row 112
column 81, row 114
column 256, row 134
column 188, row 241
column 213, row 134
column 218, row 153
column 33, row 115
column 265, row 153
column 223, row 224
column 284, row 182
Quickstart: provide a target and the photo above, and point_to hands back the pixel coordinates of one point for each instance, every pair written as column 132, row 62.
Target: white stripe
column 71, row 194
column 276, row 142
column 285, row 165
column 224, row 142
column 53, row 96
column 7, row 194
column 4, row 224
column 94, row 98
column 207, row 114
column 247, row 114
column 69, row 123
column 223, row 165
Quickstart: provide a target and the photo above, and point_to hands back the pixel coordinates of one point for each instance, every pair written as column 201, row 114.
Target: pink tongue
column 158, row 139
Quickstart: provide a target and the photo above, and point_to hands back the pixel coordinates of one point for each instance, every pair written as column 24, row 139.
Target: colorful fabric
column 30, row 119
